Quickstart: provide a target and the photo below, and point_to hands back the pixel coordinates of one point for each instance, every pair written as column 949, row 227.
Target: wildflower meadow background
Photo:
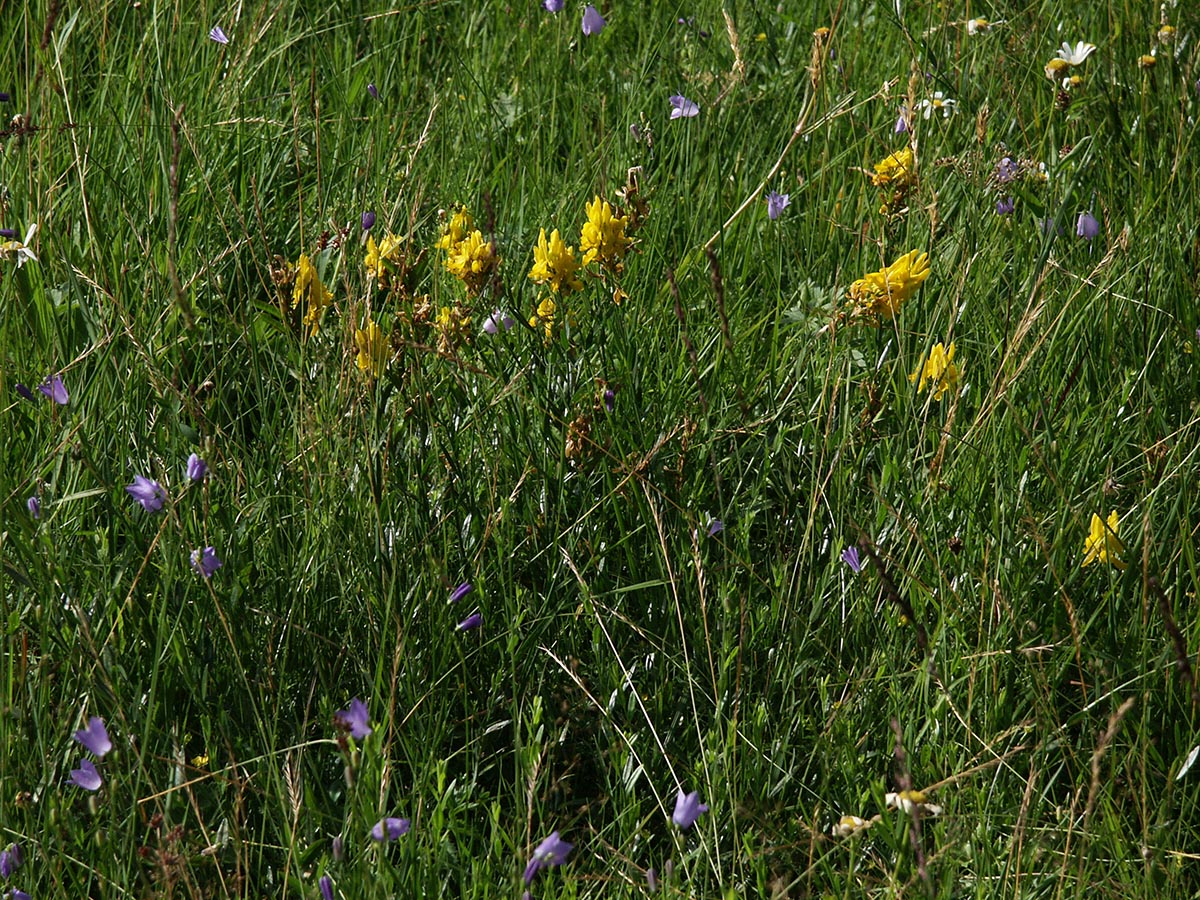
column 485, row 449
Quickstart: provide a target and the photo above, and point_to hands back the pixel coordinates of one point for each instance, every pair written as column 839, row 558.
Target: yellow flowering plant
column 373, row 350
column 472, row 261
column 879, row 295
column 554, row 264
column 383, row 260
column 899, row 168
column 1102, row 543
column 309, row 290
column 603, row 237
column 938, row 370
column 453, row 327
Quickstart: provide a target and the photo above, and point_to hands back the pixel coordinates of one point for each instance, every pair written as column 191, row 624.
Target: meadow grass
column 574, row 471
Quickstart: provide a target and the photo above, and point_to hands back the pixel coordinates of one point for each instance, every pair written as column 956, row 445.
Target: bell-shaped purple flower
column 593, row 22
column 10, row 860
column 34, row 505
column 1005, row 206
column 368, row 220
column 474, row 620
column 553, row 5
column 688, row 809
column 373, row 91
column 86, row 776
column 356, row 719
column 54, row 388
column 218, row 34
column 25, row 393
column 550, row 852
column 147, row 492
column 389, row 829
column 682, row 107
column 498, row 321
column 325, row 883
column 196, row 468
column 715, row 527
column 94, row 737
column 206, row 561
column 1086, row 226
column 18, row 894
column 850, row 557
column 461, row 591
column 776, row 204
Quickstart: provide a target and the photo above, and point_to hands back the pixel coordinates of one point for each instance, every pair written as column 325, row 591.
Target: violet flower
column 196, row 468
column 498, row 321
column 8, row 232
column 368, row 220
column 389, row 829
column 4, row 98
column 325, row 883
column 550, row 852
column 715, row 527
column 461, row 591
column 10, row 860
column 1005, row 206
column 372, row 90
column 86, row 776
column 355, row 719
column 34, row 505
column 553, row 5
column 593, row 22
column 610, row 399
column 206, row 561
column 902, row 120
column 474, row 620
column 850, row 557
column 54, row 388
column 218, row 34
column 147, row 492
column 651, row 880
column 1007, row 170
column 18, row 894
column 94, row 737
column 1087, row 226
column 683, row 107
column 776, row 204
column 688, row 809
column 25, row 393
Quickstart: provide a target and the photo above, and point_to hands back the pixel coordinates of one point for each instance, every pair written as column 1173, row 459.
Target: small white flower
column 20, row 249
column 909, row 801
column 939, row 102
column 981, row 26
column 847, row 826
column 1075, row 56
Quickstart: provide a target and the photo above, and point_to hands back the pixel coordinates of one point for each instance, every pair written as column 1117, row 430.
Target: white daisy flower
column 909, row 801
column 981, row 25
column 847, row 826
column 20, row 249
column 1074, row 56
column 939, row 102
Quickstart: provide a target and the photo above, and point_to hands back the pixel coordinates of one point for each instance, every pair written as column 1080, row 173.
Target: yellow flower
column 372, row 350
column 911, row 801
column 382, row 258
column 1147, row 61
column 879, row 294
column 848, row 826
column 1102, row 543
column 897, row 168
column 308, row 288
column 1166, row 34
column 545, row 317
column 459, row 226
column 453, row 329
column 939, row 369
column 603, row 237
column 554, row 264
column 472, row 261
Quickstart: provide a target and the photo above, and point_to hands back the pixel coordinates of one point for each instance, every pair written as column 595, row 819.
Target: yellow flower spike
column 472, row 261
column 880, row 294
column 939, row 369
column 382, row 258
column 459, row 226
column 308, row 288
column 554, row 264
column 603, row 237
column 372, row 350
column 453, row 328
column 1102, row 543
column 898, row 168
column 545, row 317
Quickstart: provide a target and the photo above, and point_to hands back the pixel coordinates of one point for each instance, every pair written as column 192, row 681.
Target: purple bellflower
column 368, row 220
column 498, row 321
column 715, row 527
column 651, row 880
column 196, row 468
column 683, row 107
column 326, row 885
column 218, row 34
column 389, row 829
column 593, row 22
column 20, row 895
column 461, row 591
column 206, row 561
column 355, row 719
column 1087, row 226
column 550, row 852
column 10, row 861
column 54, row 388
column 26, row 393
column 688, row 809
column 1005, row 206
column 850, row 557
column 34, row 505
column 146, row 492
column 373, row 91
column 86, row 776
column 474, row 620
column 94, row 737
column 553, row 5
column 776, row 204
